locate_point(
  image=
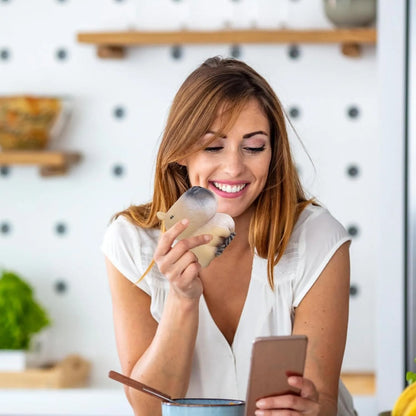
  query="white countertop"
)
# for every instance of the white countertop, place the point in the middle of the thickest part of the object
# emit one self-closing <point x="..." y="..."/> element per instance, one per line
<point x="95" y="402"/>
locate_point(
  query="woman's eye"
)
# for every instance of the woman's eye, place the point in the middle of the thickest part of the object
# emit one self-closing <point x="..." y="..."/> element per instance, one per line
<point x="255" y="149"/>
<point x="213" y="148"/>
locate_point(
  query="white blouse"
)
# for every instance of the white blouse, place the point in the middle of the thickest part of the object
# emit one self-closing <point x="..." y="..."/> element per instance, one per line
<point x="218" y="369"/>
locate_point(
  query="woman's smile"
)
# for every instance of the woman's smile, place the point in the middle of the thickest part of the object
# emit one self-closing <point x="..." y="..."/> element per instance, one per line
<point x="228" y="189"/>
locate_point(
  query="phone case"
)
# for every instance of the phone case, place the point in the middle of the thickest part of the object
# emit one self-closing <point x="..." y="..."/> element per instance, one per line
<point x="273" y="359"/>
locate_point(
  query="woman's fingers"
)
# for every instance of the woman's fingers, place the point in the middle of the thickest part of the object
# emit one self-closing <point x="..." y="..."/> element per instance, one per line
<point x="307" y="403"/>
<point x="177" y="262"/>
<point x="177" y="257"/>
<point x="306" y="386"/>
<point x="168" y="237"/>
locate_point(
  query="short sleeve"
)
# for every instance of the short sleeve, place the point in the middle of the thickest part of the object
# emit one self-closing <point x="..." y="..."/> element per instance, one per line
<point x="320" y="236"/>
<point x="122" y="246"/>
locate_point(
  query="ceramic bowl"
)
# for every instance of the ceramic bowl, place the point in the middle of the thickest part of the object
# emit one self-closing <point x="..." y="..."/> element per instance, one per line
<point x="203" y="407"/>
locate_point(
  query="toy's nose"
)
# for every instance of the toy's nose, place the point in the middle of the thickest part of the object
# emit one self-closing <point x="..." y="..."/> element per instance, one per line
<point x="199" y="192"/>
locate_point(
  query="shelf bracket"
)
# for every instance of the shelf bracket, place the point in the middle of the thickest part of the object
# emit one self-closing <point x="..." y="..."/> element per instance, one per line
<point x="351" y="49"/>
<point x="62" y="168"/>
<point x="111" y="52"/>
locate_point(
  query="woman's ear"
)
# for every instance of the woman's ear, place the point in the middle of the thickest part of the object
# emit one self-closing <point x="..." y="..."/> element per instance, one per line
<point x="182" y="162"/>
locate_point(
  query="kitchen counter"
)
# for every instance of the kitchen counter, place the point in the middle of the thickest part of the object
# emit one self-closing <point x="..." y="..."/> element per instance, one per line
<point x="95" y="402"/>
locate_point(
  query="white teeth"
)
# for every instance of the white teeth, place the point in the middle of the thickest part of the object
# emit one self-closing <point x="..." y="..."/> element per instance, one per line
<point x="231" y="189"/>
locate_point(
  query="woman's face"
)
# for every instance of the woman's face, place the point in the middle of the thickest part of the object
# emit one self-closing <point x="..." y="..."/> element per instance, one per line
<point x="235" y="166"/>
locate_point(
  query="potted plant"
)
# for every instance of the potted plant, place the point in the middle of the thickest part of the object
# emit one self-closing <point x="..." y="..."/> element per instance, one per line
<point x="21" y="317"/>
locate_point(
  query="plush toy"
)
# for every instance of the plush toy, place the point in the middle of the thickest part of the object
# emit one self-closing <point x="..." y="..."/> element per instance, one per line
<point x="199" y="206"/>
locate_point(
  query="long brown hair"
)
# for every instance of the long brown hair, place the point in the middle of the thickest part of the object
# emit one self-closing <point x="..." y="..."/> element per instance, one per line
<point x="217" y="84"/>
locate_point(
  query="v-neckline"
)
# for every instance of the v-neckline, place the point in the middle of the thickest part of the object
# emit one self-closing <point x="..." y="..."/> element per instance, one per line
<point x="242" y="315"/>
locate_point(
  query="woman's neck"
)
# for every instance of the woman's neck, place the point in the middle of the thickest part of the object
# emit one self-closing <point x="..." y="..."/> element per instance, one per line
<point x="242" y="229"/>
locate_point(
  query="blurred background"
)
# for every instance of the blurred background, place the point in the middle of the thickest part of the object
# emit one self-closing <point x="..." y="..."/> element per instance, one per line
<point x="343" y="107"/>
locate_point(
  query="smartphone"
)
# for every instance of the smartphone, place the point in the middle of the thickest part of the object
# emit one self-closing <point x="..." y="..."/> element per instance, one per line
<point x="273" y="359"/>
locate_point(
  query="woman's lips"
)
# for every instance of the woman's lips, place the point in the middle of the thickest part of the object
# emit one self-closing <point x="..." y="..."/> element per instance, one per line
<point x="228" y="190"/>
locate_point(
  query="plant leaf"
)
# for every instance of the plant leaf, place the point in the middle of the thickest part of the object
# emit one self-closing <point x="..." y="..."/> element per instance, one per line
<point x="410" y="377"/>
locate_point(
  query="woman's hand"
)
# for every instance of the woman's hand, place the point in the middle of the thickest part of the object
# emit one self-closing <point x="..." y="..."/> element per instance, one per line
<point x="307" y="403"/>
<point x="178" y="264"/>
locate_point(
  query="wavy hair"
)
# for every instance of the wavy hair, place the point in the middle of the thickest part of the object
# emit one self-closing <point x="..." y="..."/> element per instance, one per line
<point x="218" y="84"/>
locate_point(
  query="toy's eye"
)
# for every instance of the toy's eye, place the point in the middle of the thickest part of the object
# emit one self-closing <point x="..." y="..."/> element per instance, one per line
<point x="171" y="217"/>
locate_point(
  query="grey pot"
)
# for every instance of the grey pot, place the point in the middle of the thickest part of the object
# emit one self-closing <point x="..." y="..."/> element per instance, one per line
<point x="351" y="13"/>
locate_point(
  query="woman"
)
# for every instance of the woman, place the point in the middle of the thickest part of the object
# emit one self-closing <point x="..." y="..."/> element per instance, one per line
<point x="188" y="331"/>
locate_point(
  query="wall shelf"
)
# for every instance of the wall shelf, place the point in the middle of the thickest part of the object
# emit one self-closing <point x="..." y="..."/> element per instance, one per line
<point x="113" y="44"/>
<point x="51" y="163"/>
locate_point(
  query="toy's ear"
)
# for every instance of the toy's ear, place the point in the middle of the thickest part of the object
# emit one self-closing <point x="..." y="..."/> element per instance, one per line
<point x="161" y="215"/>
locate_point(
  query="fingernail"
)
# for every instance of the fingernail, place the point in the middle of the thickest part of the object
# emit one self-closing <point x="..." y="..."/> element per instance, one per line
<point x="260" y="403"/>
<point x="207" y="237"/>
<point x="293" y="380"/>
<point x="259" y="413"/>
<point x="185" y="221"/>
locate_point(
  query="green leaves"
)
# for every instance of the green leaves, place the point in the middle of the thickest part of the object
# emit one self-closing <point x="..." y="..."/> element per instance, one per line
<point x="411" y="376"/>
<point x="20" y="315"/>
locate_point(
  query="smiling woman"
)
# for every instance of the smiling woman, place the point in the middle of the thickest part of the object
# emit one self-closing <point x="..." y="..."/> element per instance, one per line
<point x="187" y="329"/>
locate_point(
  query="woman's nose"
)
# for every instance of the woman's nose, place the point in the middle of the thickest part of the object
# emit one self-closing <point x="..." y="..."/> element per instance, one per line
<point x="234" y="163"/>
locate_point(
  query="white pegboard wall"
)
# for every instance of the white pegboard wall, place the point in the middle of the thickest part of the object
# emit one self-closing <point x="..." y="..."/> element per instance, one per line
<point x="118" y="113"/>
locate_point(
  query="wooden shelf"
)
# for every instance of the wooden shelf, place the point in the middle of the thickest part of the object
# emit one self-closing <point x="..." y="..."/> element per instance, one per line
<point x="113" y="44"/>
<point x="51" y="163"/>
<point x="360" y="383"/>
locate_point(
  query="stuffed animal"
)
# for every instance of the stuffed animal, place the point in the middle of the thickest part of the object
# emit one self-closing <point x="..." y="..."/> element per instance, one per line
<point x="199" y="206"/>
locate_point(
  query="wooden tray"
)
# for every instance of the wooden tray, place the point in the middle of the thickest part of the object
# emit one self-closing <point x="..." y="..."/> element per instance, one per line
<point x="73" y="371"/>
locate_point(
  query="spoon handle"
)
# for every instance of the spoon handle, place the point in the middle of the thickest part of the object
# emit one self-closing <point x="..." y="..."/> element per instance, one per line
<point x="139" y="386"/>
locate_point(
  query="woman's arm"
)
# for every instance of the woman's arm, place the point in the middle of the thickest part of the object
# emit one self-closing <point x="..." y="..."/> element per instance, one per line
<point x="158" y="355"/>
<point x="323" y="317"/>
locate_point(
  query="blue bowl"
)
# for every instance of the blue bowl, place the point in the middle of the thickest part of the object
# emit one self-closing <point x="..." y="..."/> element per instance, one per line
<point x="203" y="407"/>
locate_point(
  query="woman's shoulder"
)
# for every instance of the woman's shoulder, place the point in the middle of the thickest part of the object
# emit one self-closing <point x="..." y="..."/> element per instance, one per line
<point x="316" y="220"/>
<point x="124" y="229"/>
<point x="130" y="248"/>
<point x="125" y="240"/>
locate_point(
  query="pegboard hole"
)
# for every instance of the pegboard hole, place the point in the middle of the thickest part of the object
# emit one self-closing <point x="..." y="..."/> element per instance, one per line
<point x="176" y="52"/>
<point x="118" y="170"/>
<point x="4" y="54"/>
<point x="294" y="112"/>
<point x="119" y="112"/>
<point x="60" y="287"/>
<point x="5" y="170"/>
<point x="5" y="228"/>
<point x="235" y="51"/>
<point x="294" y="52"/>
<point x="353" y="112"/>
<point x="61" y="228"/>
<point x="353" y="230"/>
<point x="354" y="291"/>
<point x="353" y="171"/>
<point x="61" y="54"/>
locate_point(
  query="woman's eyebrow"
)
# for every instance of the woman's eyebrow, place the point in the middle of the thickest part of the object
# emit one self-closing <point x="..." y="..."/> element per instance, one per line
<point x="246" y="136"/>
